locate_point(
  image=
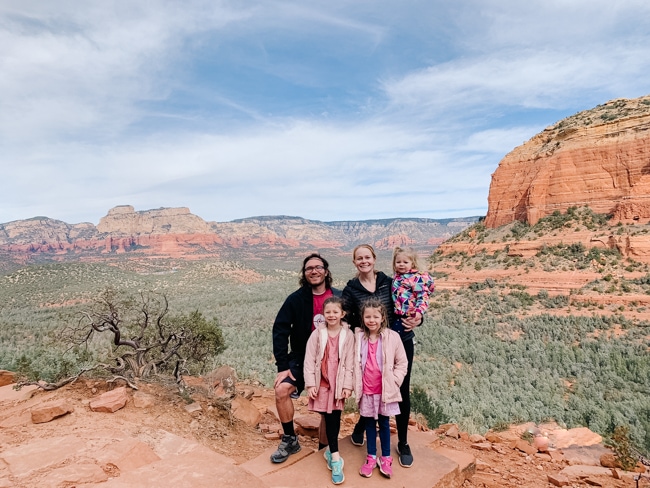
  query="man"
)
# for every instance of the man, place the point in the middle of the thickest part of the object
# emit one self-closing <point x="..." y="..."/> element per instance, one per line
<point x="301" y="313"/>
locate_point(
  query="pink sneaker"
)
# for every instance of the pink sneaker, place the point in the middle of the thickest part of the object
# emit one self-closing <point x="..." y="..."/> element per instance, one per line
<point x="366" y="469"/>
<point x="385" y="465"/>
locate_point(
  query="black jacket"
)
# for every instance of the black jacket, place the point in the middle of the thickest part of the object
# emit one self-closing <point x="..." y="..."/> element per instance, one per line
<point x="354" y="294"/>
<point x="292" y="327"/>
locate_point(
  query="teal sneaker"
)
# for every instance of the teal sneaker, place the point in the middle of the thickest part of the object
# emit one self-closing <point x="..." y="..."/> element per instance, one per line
<point x="328" y="457"/>
<point x="337" y="472"/>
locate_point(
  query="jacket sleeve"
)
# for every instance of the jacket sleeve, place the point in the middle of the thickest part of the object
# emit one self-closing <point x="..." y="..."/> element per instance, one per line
<point x="401" y="361"/>
<point x="281" y="333"/>
<point x="311" y="353"/>
<point x="422" y="287"/>
<point x="348" y="361"/>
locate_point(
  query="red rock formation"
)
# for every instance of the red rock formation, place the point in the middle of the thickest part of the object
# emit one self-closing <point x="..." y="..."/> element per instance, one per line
<point x="175" y="232"/>
<point x="599" y="158"/>
<point x="125" y="220"/>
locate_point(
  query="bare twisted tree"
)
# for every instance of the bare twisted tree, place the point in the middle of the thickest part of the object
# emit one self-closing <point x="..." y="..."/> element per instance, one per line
<point x="145" y="338"/>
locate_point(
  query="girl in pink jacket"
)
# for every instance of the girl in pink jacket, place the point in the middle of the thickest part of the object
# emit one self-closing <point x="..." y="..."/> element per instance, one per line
<point x="380" y="365"/>
<point x="328" y="371"/>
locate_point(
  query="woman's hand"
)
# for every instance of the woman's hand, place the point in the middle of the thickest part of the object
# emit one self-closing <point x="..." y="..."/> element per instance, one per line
<point x="313" y="392"/>
<point x="411" y="323"/>
<point x="346" y="393"/>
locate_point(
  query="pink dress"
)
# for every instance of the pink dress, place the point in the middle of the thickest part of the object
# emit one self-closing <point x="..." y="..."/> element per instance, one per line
<point x="325" y="401"/>
<point x="370" y="404"/>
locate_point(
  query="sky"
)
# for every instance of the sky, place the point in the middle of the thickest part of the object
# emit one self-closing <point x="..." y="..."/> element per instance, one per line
<point x="337" y="110"/>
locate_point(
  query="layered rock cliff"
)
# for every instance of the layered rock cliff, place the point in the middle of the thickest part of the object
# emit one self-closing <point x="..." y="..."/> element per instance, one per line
<point x="599" y="158"/>
<point x="175" y="232"/>
<point x="124" y="220"/>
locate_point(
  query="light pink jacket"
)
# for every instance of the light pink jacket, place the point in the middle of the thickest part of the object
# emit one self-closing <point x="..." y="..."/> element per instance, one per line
<point x="314" y="356"/>
<point x="393" y="369"/>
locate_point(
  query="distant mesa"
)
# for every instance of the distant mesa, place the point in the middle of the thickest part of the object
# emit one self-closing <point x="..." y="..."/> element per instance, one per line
<point x="124" y="220"/>
<point x="599" y="158"/>
<point x="176" y="232"/>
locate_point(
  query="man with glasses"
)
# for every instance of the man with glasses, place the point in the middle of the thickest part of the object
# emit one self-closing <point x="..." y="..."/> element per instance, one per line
<point x="300" y="314"/>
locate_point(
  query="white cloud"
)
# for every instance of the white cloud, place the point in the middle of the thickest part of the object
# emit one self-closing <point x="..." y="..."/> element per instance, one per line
<point x="317" y="171"/>
<point x="162" y="103"/>
<point x="526" y="79"/>
<point x="74" y="71"/>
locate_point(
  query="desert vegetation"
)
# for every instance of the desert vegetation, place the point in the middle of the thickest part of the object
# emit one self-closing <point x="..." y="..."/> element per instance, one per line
<point x="487" y="353"/>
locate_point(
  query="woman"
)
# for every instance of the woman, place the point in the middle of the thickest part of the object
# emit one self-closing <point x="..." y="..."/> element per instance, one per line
<point x="370" y="283"/>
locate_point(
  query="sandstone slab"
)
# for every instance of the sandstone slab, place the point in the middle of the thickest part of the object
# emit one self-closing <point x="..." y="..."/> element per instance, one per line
<point x="201" y="468"/>
<point x="51" y="410"/>
<point x="435" y="470"/>
<point x="524" y="446"/>
<point x="128" y="454"/>
<point x="24" y="460"/>
<point x="578" y="471"/>
<point x="558" y="480"/>
<point x="9" y="395"/>
<point x="587" y="455"/>
<point x="245" y="411"/>
<point x="75" y="474"/>
<point x="111" y="401"/>
<point x="308" y="425"/>
<point x="580" y="436"/>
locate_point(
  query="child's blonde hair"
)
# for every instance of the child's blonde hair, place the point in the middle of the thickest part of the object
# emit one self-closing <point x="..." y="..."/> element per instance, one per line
<point x="374" y="303"/>
<point x="409" y="252"/>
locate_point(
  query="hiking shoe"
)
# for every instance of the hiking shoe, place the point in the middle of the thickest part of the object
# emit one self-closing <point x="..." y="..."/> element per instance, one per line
<point x="366" y="469"/>
<point x="337" y="472"/>
<point x="289" y="445"/>
<point x="357" y="438"/>
<point x="385" y="465"/>
<point x="405" y="457"/>
<point x="328" y="457"/>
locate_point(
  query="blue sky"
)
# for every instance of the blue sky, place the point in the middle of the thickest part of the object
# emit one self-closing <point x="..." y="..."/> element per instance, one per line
<point x="325" y="110"/>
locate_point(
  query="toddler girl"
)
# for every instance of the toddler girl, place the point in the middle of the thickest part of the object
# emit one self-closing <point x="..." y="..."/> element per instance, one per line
<point x="380" y="365"/>
<point x="329" y="369"/>
<point x="411" y="289"/>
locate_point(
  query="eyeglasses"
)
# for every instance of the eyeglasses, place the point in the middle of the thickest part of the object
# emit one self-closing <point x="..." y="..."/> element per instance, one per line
<point x="309" y="269"/>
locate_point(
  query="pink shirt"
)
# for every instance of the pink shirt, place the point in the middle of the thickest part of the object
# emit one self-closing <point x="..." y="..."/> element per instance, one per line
<point x="372" y="373"/>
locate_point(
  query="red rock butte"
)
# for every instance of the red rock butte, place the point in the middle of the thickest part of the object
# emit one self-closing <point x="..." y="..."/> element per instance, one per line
<point x="599" y="158"/>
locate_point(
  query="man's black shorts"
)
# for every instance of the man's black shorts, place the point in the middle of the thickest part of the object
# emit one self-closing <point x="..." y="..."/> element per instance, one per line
<point x="296" y="370"/>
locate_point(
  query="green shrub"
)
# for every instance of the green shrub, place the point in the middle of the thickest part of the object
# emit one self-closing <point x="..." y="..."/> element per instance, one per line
<point x="422" y="403"/>
<point x="620" y="442"/>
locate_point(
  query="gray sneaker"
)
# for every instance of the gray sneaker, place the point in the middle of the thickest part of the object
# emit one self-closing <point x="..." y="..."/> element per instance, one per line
<point x="289" y="445"/>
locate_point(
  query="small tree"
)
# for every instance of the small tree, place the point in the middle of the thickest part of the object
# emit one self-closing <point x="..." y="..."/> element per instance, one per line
<point x="421" y="403"/>
<point x="620" y="442"/>
<point x="145" y="338"/>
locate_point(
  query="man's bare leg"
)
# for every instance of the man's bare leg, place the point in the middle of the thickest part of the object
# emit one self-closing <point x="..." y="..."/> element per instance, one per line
<point x="283" y="402"/>
<point x="289" y="444"/>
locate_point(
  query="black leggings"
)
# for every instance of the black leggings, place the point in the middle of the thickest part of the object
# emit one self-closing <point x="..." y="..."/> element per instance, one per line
<point x="332" y="429"/>
<point x="402" y="420"/>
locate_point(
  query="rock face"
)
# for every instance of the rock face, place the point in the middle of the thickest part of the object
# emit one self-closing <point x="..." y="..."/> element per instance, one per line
<point x="175" y="232"/>
<point x="599" y="158"/>
<point x="124" y="220"/>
